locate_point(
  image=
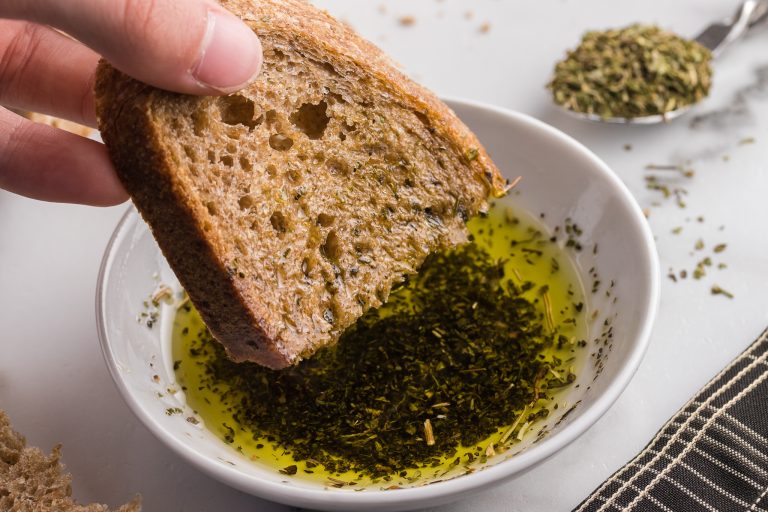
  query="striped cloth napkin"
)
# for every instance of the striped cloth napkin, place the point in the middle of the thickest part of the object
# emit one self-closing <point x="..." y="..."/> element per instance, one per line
<point x="711" y="456"/>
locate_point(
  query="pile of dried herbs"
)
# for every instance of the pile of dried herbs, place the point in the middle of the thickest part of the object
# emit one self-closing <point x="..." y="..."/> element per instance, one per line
<point x="455" y="356"/>
<point x="632" y="72"/>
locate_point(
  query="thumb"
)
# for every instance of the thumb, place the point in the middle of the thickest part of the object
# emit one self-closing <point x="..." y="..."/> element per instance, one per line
<point x="189" y="46"/>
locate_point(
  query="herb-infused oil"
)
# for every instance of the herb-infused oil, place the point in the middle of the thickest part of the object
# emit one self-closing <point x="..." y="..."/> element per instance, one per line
<point x="466" y="360"/>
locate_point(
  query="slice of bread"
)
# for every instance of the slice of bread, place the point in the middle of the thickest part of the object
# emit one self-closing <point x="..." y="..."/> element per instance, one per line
<point x="32" y="482"/>
<point x="290" y="208"/>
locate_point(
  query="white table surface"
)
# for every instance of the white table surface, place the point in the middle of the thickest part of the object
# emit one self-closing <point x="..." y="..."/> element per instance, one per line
<point x="55" y="385"/>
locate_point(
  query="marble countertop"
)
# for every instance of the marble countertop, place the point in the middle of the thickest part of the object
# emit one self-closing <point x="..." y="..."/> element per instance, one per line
<point x="55" y="385"/>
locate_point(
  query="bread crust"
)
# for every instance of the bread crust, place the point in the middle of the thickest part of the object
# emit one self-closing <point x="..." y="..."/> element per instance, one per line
<point x="138" y="149"/>
<point x="304" y="25"/>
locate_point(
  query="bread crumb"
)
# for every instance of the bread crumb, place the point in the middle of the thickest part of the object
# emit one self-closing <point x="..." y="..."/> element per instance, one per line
<point x="382" y="9"/>
<point x="469" y="15"/>
<point x="485" y="28"/>
<point x="407" y="21"/>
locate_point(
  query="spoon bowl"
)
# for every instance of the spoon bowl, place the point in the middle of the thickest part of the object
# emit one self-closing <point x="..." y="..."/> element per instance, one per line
<point x="715" y="38"/>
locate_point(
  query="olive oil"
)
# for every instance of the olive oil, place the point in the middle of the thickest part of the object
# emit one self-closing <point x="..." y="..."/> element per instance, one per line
<point x="517" y="252"/>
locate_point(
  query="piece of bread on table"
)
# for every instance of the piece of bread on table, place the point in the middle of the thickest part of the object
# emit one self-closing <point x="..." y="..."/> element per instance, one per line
<point x="290" y="208"/>
<point x="33" y="482"/>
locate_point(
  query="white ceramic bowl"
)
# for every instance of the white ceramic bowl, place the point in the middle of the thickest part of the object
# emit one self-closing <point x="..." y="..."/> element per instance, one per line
<point x="561" y="178"/>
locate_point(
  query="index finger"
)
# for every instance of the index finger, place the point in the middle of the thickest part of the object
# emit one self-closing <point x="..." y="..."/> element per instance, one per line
<point x="189" y="46"/>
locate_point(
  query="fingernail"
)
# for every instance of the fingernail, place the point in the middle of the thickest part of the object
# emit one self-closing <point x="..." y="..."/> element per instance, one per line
<point x="230" y="55"/>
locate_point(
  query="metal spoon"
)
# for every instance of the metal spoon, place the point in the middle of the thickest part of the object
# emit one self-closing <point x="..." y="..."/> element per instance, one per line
<point x="715" y="37"/>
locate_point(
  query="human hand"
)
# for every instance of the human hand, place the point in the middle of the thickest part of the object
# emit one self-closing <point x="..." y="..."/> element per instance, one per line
<point x="189" y="46"/>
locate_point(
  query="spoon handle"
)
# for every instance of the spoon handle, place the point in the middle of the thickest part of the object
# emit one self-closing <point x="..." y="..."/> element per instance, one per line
<point x="719" y="35"/>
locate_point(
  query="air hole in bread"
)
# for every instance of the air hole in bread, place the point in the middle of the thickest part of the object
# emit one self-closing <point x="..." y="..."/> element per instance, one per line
<point x="294" y="176"/>
<point x="245" y="202"/>
<point x="212" y="208"/>
<point x="227" y="160"/>
<point x="241" y="246"/>
<point x="342" y="136"/>
<point x="272" y="170"/>
<point x="311" y="119"/>
<point x="336" y="166"/>
<point x="421" y="116"/>
<point x="233" y="133"/>
<point x="280" y="142"/>
<point x="191" y="154"/>
<point x="331" y="70"/>
<point x="362" y="247"/>
<point x="245" y="164"/>
<point x="200" y="122"/>
<point x="331" y="249"/>
<point x="271" y="117"/>
<point x="279" y="222"/>
<point x="237" y="109"/>
<point x="211" y="156"/>
<point x="328" y="316"/>
<point x="306" y="267"/>
<point x="325" y="220"/>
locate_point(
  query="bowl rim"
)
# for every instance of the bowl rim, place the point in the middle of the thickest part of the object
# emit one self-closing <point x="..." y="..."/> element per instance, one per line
<point x="445" y="490"/>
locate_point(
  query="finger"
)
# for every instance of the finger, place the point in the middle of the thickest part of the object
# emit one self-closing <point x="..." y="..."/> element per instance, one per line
<point x="41" y="162"/>
<point x="44" y="71"/>
<point x="191" y="46"/>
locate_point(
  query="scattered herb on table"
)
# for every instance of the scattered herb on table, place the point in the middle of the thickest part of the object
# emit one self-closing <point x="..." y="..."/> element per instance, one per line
<point x="668" y="189"/>
<point x="716" y="290"/>
<point x="637" y="71"/>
